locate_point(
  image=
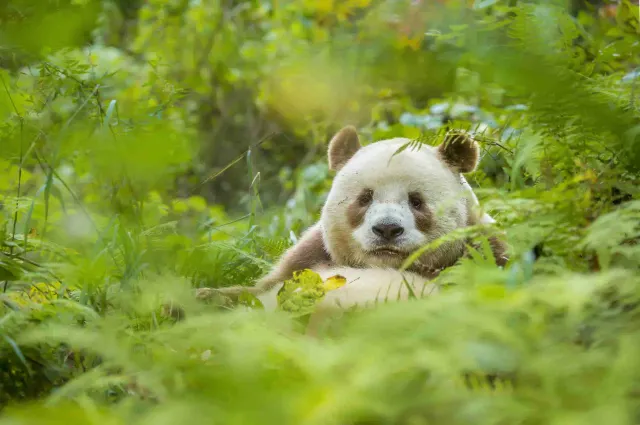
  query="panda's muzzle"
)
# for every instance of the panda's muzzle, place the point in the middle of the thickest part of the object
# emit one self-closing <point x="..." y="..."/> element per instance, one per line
<point x="387" y="235"/>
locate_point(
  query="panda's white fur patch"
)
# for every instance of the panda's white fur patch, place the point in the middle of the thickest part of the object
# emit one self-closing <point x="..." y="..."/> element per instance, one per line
<point x="364" y="288"/>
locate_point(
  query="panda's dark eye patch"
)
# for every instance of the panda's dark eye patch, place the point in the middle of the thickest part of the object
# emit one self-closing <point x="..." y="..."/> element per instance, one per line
<point x="359" y="207"/>
<point x="415" y="200"/>
<point x="365" y="197"/>
<point x="421" y="212"/>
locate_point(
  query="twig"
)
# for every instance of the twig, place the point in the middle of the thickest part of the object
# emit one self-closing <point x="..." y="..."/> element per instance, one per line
<point x="238" y="158"/>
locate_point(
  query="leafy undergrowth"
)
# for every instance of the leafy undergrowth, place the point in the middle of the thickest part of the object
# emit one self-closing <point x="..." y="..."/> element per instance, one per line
<point x="563" y="347"/>
<point x="151" y="148"/>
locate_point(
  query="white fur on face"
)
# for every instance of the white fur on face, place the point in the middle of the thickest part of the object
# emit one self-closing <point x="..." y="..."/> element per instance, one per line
<point x="390" y="206"/>
<point x="392" y="178"/>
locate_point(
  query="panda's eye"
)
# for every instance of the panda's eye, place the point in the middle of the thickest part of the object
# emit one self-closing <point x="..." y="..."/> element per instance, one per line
<point x="365" y="197"/>
<point x="415" y="200"/>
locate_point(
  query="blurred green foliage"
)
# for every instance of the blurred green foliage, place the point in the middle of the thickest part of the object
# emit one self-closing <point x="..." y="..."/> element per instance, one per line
<point x="149" y="148"/>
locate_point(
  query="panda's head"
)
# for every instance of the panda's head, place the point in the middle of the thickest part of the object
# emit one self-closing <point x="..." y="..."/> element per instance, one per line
<point x="385" y="204"/>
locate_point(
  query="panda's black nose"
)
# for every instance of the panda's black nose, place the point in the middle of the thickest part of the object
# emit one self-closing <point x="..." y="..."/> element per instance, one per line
<point x="388" y="231"/>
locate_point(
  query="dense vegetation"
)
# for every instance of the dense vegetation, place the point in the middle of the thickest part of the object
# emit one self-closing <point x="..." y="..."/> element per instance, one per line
<point x="150" y="148"/>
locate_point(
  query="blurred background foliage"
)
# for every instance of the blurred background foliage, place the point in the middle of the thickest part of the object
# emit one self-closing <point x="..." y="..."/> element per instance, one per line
<point x="150" y="147"/>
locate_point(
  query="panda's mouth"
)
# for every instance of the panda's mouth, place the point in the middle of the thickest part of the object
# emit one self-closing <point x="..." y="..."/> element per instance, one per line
<point x="387" y="251"/>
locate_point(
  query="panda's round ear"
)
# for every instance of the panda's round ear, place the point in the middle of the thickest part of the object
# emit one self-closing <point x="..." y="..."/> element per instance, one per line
<point x="460" y="151"/>
<point x="344" y="144"/>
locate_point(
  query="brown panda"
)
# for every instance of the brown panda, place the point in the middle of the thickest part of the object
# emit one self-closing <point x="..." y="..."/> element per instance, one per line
<point x="383" y="205"/>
